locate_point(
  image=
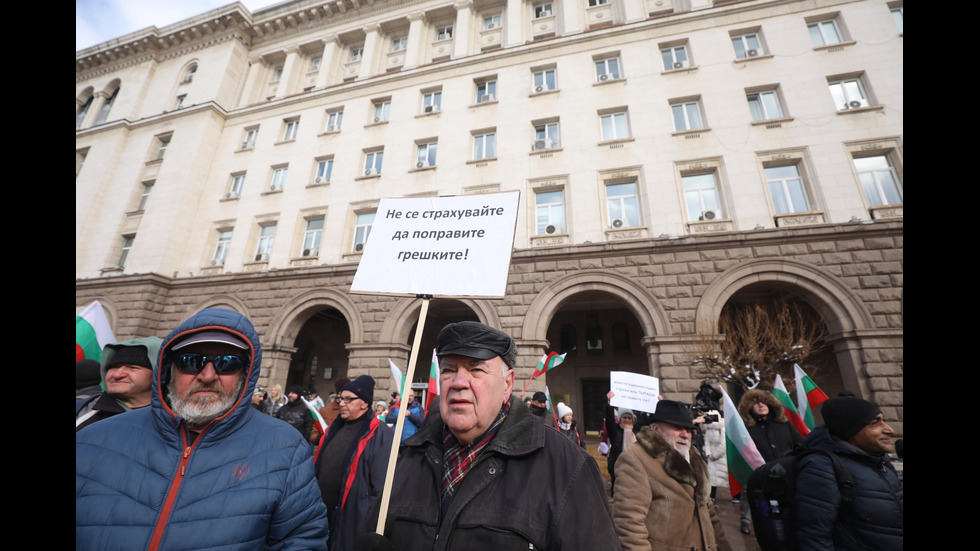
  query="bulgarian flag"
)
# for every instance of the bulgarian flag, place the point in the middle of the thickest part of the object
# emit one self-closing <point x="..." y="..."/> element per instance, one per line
<point x="552" y="410"/>
<point x="743" y="456"/>
<point x="808" y="395"/>
<point x="319" y="423"/>
<point x="397" y="376"/>
<point x="548" y="362"/>
<point x="779" y="391"/>
<point x="92" y="333"/>
<point x="433" y="389"/>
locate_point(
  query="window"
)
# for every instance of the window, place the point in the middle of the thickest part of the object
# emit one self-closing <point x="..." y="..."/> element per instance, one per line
<point x="444" y="33"/>
<point x="277" y="74"/>
<point x="543" y="10"/>
<point x="334" y="118"/>
<point x="825" y="32"/>
<point x="179" y="104"/>
<point x="315" y="64"/>
<point x="372" y="162"/>
<point x="189" y="77"/>
<point x="544" y="80"/>
<point x="687" y="115"/>
<point x="278" y="178"/>
<point x="106" y="107"/>
<point x="144" y="196"/>
<point x="550" y="211"/>
<point x="382" y="110"/>
<point x="80" y="155"/>
<point x="251" y="135"/>
<point x="622" y="205"/>
<point x="607" y="68"/>
<point x="163" y="142"/>
<point x="764" y="105"/>
<point x="362" y="230"/>
<point x="849" y="93"/>
<point x="267" y="237"/>
<point x="426" y="155"/>
<point x="80" y="117"/>
<point x="546" y="136"/>
<point x="237" y="184"/>
<point x="614" y="126"/>
<point x="675" y="57"/>
<point x="484" y="146"/>
<point x="747" y="45"/>
<point x="356" y="53"/>
<point x="787" y="189"/>
<point x="701" y="196"/>
<point x="491" y="22"/>
<point x="290" y="128"/>
<point x="899" y="16"/>
<point x="127" y="246"/>
<point x="221" y="248"/>
<point x="399" y="44"/>
<point x="486" y="91"/>
<point x="431" y="101"/>
<point x="324" y="169"/>
<point x="879" y="180"/>
<point x="593" y="3"/>
<point x="311" y="238"/>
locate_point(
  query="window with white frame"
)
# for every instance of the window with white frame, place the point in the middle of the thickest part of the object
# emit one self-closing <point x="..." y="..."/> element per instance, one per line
<point x="315" y="64"/>
<point x="289" y="129"/>
<point x="623" y="205"/>
<point x="431" y="101"/>
<point x="787" y="189"/>
<point x="356" y="53"/>
<point x="80" y="117"/>
<point x="747" y="45"/>
<point x="543" y="10"/>
<point x="399" y="44"/>
<point x="765" y="105"/>
<point x="179" y="102"/>
<point x="687" y="115"/>
<point x="879" y="180"/>
<point x="444" y="33"/>
<point x="382" y="110"/>
<point x="251" y="134"/>
<point x="127" y="246"/>
<point x="372" y="162"/>
<point x="334" y="119"/>
<point x="848" y="93"/>
<point x="898" y="15"/>
<point x="425" y="155"/>
<point x="237" y="184"/>
<point x="189" y="76"/>
<point x="701" y="196"/>
<point x="486" y="91"/>
<point x="163" y="142"/>
<point x="311" y="237"/>
<point x="106" y="107"/>
<point x="277" y="74"/>
<point x="546" y="135"/>
<point x="278" y="178"/>
<point x="80" y="155"/>
<point x="675" y="57"/>
<point x="484" y="145"/>
<point x="549" y="209"/>
<point x="491" y="21"/>
<point x="544" y="80"/>
<point x="613" y="126"/>
<point x="145" y="195"/>
<point x="267" y="237"/>
<point x="825" y="32"/>
<point x="324" y="169"/>
<point x="362" y="230"/>
<point x="607" y="68"/>
<point x="594" y="3"/>
<point x="221" y="248"/>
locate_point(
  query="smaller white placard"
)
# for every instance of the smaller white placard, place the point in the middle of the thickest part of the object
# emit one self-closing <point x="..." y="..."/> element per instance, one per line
<point x="634" y="391"/>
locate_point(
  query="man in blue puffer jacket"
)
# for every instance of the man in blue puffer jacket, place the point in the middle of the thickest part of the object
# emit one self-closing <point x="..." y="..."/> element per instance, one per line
<point x="199" y="468"/>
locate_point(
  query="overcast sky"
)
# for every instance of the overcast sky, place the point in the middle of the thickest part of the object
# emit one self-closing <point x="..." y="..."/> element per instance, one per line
<point x="97" y="21"/>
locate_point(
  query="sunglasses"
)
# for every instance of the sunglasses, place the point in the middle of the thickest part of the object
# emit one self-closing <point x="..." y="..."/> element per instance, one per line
<point x="223" y="363"/>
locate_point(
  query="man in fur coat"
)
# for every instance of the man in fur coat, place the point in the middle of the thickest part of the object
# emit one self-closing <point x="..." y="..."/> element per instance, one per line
<point x="662" y="500"/>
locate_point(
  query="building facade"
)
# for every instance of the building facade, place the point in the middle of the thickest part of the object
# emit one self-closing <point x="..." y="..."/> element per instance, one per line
<point x="673" y="156"/>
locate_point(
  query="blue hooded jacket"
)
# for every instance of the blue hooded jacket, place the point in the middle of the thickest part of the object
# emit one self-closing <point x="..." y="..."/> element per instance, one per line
<point x="246" y="482"/>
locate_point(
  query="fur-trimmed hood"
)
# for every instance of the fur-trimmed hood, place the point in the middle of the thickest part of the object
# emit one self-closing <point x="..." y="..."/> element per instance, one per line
<point x="776" y="411"/>
<point x="693" y="473"/>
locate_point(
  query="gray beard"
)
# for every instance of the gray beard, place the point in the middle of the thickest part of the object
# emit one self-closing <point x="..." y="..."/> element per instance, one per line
<point x="197" y="414"/>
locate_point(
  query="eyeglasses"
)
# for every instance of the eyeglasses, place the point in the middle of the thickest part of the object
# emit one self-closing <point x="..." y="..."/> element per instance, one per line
<point x="223" y="363"/>
<point x="346" y="399"/>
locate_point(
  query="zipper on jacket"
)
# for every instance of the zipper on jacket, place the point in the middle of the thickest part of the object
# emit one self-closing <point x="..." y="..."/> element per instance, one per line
<point x="172" y="492"/>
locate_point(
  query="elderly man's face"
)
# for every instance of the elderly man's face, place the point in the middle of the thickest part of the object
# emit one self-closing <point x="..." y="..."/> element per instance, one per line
<point x="677" y="436"/>
<point x="129" y="383"/>
<point x="875" y="437"/>
<point x="204" y="396"/>
<point x="473" y="391"/>
<point x="352" y="407"/>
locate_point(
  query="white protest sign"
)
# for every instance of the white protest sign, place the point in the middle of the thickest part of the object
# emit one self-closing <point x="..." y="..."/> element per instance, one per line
<point x="634" y="391"/>
<point x="446" y="246"/>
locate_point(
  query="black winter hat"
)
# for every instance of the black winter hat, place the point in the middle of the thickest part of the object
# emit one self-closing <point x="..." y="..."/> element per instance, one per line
<point x="845" y="417"/>
<point x="476" y="340"/>
<point x="130" y="355"/>
<point x="362" y="387"/>
<point x="669" y="411"/>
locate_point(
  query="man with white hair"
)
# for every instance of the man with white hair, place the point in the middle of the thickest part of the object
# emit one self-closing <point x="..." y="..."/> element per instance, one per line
<point x="662" y="500"/>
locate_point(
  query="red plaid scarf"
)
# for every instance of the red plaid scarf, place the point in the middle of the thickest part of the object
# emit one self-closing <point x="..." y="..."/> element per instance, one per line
<point x="459" y="459"/>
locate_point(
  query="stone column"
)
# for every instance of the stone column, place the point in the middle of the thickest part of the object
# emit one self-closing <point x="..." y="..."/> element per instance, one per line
<point x="461" y="29"/>
<point x="290" y="69"/>
<point x="98" y="102"/>
<point x="514" y="26"/>
<point x="328" y="62"/>
<point x="368" y="57"/>
<point x="254" y="81"/>
<point x="416" y="39"/>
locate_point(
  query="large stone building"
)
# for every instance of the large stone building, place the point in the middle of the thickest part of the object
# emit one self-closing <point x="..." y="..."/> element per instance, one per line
<point x="673" y="156"/>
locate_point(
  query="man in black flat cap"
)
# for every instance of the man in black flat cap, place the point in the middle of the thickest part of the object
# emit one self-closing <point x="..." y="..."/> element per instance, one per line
<point x="663" y="494"/>
<point x="487" y="475"/>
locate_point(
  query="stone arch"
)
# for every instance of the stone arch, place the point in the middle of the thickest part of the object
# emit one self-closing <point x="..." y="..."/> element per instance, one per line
<point x="219" y="301"/>
<point x="405" y="313"/>
<point x="285" y="326"/>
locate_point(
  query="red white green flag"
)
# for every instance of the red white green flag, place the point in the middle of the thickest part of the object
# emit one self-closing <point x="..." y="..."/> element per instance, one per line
<point x="397" y="376"/>
<point x="318" y="422"/>
<point x="551" y="409"/>
<point x="743" y="456"/>
<point x="808" y="395"/>
<point x="92" y="332"/>
<point x="433" y="389"/>
<point x="779" y="391"/>
<point x="548" y="362"/>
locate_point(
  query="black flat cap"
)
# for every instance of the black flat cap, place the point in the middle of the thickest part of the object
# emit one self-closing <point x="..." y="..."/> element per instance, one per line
<point x="475" y="340"/>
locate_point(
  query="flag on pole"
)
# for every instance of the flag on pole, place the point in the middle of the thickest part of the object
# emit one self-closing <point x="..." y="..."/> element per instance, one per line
<point x="808" y="395"/>
<point x="548" y="362"/>
<point x="92" y="332"/>
<point x="743" y="456"/>
<point x="779" y="391"/>
<point x="553" y="413"/>
<point x="433" y="389"/>
<point x="397" y="375"/>
<point x="318" y="422"/>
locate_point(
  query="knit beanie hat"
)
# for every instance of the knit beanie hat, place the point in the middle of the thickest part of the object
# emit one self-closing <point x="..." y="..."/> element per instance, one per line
<point x="362" y="387"/>
<point x="130" y="355"/>
<point x="563" y="410"/>
<point x="294" y="388"/>
<point x="845" y="417"/>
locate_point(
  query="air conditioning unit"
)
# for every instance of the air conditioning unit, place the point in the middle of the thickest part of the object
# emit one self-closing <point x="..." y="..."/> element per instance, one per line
<point x="331" y="128"/>
<point x="420" y="164"/>
<point x="708" y="215"/>
<point x="752" y="52"/>
<point x="545" y="13"/>
<point x="368" y="172"/>
<point x="486" y="98"/>
<point x="539" y="88"/>
<point x="359" y="247"/>
<point x="218" y="262"/>
<point x="491" y="26"/>
<point x="377" y="119"/>
<point x="429" y="109"/>
<point x="680" y="64"/>
<point x="618" y="223"/>
<point x="246" y="145"/>
<point x="228" y="195"/>
<point x="603" y="77"/>
<point x="274" y="187"/>
<point x="311" y="252"/>
<point x="540" y="144"/>
<point x="855" y="104"/>
<point x="552" y="228"/>
<point x="319" y="180"/>
<point x="261" y="257"/>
